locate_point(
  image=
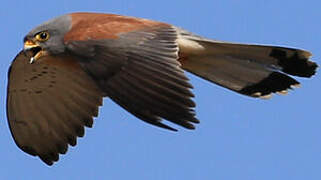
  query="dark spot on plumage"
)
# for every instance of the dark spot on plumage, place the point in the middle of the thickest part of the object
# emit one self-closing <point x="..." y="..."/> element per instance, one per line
<point x="23" y="90"/>
<point x="33" y="78"/>
<point x="294" y="65"/>
<point x="38" y="92"/>
<point x="275" y="82"/>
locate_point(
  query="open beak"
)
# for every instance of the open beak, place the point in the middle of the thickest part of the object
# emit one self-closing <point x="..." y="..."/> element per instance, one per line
<point x="34" y="48"/>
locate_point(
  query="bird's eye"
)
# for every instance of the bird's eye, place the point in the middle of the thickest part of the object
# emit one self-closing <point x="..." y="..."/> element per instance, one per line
<point x="42" y="36"/>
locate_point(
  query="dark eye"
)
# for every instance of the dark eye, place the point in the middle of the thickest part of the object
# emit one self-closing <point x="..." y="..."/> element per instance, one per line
<point x="42" y="36"/>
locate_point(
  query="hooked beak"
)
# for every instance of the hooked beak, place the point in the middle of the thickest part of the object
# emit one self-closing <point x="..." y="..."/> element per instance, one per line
<point x="34" y="48"/>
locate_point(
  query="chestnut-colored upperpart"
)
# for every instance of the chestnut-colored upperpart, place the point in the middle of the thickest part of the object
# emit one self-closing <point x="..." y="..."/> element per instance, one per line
<point x="95" y="26"/>
<point x="137" y="63"/>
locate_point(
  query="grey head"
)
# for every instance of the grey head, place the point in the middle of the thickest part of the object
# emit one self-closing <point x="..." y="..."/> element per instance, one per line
<point x="48" y="38"/>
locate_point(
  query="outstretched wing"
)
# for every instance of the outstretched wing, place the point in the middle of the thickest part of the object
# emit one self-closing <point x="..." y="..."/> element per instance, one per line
<point x="48" y="104"/>
<point x="139" y="71"/>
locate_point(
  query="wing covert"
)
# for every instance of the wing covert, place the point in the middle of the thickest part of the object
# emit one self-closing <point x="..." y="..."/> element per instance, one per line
<point x="140" y="72"/>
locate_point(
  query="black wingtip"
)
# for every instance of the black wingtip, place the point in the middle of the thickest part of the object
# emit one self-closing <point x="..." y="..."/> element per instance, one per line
<point x="294" y="62"/>
<point x="275" y="82"/>
<point x="159" y="124"/>
<point x="46" y="160"/>
<point x="49" y="158"/>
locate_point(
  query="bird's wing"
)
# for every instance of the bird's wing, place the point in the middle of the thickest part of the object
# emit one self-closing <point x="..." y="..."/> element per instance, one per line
<point x="48" y="104"/>
<point x="139" y="71"/>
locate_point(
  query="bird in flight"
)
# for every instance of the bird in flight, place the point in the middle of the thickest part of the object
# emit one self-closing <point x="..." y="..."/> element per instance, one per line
<point x="70" y="63"/>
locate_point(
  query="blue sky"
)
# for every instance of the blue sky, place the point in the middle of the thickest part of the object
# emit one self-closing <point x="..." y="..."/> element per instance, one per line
<point x="238" y="137"/>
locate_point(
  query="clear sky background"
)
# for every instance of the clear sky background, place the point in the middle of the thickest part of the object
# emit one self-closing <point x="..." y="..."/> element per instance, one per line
<point x="239" y="138"/>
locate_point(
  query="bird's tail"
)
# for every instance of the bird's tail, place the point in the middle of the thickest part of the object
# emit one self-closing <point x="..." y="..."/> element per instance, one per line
<point x="252" y="70"/>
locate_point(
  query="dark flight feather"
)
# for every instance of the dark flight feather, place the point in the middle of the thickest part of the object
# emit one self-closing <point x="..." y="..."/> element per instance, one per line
<point x="140" y="72"/>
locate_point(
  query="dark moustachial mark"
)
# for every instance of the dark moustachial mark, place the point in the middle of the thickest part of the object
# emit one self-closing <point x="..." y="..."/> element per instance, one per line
<point x="294" y="65"/>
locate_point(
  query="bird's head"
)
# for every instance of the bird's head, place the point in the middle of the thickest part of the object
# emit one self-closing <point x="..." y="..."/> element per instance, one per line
<point x="47" y="38"/>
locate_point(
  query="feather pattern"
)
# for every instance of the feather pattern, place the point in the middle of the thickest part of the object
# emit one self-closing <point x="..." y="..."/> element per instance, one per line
<point x="253" y="70"/>
<point x="42" y="100"/>
<point x="140" y="72"/>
